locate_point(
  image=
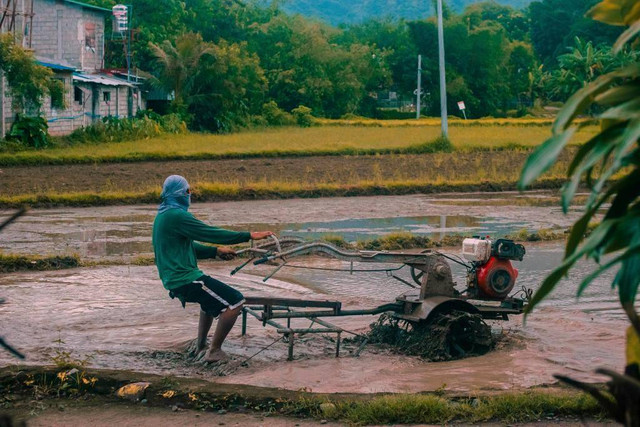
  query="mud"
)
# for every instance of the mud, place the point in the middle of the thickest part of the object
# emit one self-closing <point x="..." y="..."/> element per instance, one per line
<point x="121" y="318"/>
<point x="107" y="413"/>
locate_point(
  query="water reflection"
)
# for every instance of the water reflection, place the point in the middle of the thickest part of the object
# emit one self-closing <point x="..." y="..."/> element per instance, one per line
<point x="116" y="232"/>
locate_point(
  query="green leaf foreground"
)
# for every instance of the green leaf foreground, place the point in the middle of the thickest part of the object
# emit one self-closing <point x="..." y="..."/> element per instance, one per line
<point x="610" y="160"/>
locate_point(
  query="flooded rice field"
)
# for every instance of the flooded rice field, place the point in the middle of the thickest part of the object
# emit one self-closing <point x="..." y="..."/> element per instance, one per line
<point x="120" y="317"/>
<point x="124" y="231"/>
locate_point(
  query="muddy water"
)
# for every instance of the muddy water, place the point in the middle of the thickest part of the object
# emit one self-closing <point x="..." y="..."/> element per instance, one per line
<point x="124" y="231"/>
<point x="121" y="317"/>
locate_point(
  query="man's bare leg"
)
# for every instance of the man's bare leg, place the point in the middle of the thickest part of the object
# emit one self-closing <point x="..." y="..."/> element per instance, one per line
<point x="204" y="325"/>
<point x="225" y="322"/>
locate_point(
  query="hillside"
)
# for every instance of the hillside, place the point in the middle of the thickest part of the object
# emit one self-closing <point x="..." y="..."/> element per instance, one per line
<point x="354" y="11"/>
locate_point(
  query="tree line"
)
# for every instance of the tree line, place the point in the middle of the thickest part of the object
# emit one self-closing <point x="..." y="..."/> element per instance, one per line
<point x="228" y="62"/>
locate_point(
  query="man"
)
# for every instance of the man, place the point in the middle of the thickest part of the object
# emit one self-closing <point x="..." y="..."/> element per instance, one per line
<point x="175" y="232"/>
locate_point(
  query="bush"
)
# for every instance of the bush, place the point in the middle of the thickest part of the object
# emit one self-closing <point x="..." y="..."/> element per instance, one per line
<point x="276" y="116"/>
<point x="147" y="124"/>
<point x="30" y="131"/>
<point x="303" y="116"/>
<point x="394" y="114"/>
<point x="438" y="145"/>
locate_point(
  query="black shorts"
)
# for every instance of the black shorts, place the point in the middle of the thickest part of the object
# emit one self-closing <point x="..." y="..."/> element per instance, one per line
<point x="213" y="296"/>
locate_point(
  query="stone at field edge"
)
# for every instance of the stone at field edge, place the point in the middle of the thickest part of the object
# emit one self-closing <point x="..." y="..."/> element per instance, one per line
<point x="133" y="391"/>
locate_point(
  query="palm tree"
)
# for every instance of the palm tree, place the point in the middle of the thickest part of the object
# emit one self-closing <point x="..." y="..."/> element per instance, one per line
<point x="178" y="64"/>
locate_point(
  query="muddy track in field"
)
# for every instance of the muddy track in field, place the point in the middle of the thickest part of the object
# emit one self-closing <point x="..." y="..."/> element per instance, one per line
<point x="436" y="168"/>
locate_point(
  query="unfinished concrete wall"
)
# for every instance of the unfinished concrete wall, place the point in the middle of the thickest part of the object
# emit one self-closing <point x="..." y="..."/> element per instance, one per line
<point x="68" y="33"/>
<point x="64" y="121"/>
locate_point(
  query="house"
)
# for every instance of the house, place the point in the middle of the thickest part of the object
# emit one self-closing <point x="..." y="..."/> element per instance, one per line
<point x="68" y="37"/>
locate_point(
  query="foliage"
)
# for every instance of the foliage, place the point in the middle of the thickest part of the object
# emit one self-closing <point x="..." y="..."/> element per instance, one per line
<point x="230" y="86"/>
<point x="240" y="56"/>
<point x="438" y="145"/>
<point x="216" y="85"/>
<point x="478" y="51"/>
<point x="57" y="94"/>
<point x="583" y="65"/>
<point x="113" y="129"/>
<point x="303" y="116"/>
<point x="276" y="116"/>
<point x="177" y="64"/>
<point x="28" y="82"/>
<point x="12" y="263"/>
<point x="556" y="23"/>
<point x="304" y="67"/>
<point x="338" y="12"/>
<point x="30" y="131"/>
<point x="609" y="163"/>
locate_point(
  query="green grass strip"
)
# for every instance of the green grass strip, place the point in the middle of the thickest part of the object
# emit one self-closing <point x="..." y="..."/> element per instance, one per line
<point x="213" y="192"/>
<point x="506" y="407"/>
<point x="13" y="263"/>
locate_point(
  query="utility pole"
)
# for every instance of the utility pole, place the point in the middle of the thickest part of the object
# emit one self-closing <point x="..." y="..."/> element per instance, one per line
<point x="443" y="84"/>
<point x="129" y="23"/>
<point x="419" y="90"/>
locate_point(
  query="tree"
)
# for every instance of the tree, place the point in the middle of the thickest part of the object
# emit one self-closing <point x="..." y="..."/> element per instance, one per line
<point x="609" y="163"/>
<point x="305" y="67"/>
<point x="556" y="23"/>
<point x="178" y="63"/>
<point x="476" y="59"/>
<point x="395" y="40"/>
<point x="229" y="85"/>
<point x="28" y="82"/>
<point x="583" y="65"/>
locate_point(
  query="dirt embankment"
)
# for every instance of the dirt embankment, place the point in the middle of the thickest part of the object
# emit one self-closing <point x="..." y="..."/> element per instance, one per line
<point x="47" y="396"/>
<point x="437" y="169"/>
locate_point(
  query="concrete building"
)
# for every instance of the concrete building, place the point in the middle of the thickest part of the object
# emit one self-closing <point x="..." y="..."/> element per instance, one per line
<point x="68" y="37"/>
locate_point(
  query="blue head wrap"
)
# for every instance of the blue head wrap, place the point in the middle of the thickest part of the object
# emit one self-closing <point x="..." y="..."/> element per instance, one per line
<point x="174" y="194"/>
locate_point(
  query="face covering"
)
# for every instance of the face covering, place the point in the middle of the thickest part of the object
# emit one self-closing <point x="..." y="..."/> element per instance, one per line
<point x="174" y="194"/>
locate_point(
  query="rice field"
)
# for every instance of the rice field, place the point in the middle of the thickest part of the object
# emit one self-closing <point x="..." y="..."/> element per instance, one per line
<point x="327" y="140"/>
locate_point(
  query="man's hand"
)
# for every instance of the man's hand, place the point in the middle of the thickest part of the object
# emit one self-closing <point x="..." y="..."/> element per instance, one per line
<point x="259" y="235"/>
<point x="226" y="253"/>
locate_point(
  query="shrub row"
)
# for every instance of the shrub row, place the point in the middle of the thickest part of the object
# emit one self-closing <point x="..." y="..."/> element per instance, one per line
<point x="32" y="132"/>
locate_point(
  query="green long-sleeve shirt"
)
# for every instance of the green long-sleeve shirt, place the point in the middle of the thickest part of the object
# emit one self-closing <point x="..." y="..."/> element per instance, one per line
<point x="176" y="252"/>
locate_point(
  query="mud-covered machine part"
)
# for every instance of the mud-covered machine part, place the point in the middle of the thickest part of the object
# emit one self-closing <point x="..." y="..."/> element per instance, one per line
<point x="490" y="279"/>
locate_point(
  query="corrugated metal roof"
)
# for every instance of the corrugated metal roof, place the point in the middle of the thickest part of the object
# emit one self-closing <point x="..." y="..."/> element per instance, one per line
<point x="54" y="66"/>
<point x="100" y="79"/>
<point x="88" y="6"/>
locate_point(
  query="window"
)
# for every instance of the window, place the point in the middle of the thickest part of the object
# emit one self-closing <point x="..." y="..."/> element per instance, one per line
<point x="106" y="96"/>
<point x="78" y="95"/>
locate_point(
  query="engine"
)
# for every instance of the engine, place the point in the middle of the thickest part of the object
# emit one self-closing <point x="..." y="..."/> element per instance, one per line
<point x="491" y="276"/>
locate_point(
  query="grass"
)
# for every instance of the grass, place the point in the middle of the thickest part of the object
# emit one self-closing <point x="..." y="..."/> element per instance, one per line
<point x="507" y="407"/>
<point x="209" y="192"/>
<point x="394" y="242"/>
<point x="12" y="263"/>
<point x="435" y="121"/>
<point x="330" y="140"/>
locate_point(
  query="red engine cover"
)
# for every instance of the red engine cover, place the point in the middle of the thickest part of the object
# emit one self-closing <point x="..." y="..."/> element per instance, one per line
<point x="496" y="278"/>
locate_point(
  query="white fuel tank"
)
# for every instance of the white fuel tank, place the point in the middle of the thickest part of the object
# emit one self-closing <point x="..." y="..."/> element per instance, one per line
<point x="474" y="249"/>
